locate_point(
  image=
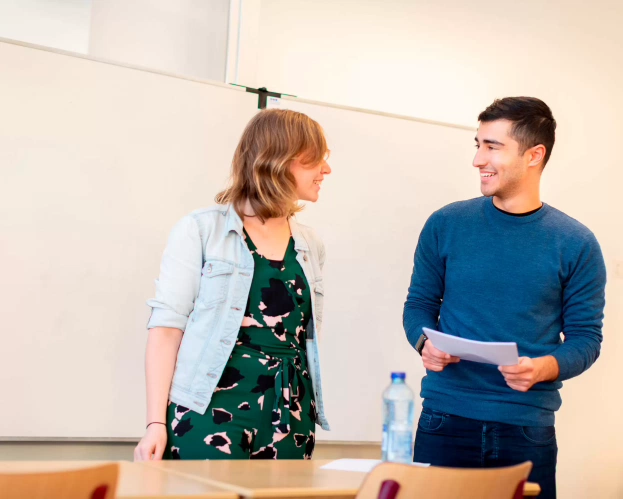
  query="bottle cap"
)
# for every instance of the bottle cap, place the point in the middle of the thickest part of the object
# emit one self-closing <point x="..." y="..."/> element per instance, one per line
<point x="398" y="376"/>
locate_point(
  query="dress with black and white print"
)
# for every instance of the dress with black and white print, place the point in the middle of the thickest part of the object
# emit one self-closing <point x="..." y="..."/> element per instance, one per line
<point x="263" y="406"/>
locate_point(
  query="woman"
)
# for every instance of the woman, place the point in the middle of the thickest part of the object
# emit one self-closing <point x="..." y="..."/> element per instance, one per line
<point x="234" y="327"/>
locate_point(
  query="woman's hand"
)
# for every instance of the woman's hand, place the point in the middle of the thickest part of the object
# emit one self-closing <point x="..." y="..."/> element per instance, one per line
<point x="152" y="445"/>
<point x="163" y="344"/>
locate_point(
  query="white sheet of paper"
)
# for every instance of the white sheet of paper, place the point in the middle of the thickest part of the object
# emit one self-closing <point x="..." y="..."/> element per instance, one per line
<point x="359" y="465"/>
<point x="487" y="352"/>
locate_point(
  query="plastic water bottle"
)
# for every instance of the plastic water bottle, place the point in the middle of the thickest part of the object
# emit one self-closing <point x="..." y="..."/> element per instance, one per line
<point x="398" y="416"/>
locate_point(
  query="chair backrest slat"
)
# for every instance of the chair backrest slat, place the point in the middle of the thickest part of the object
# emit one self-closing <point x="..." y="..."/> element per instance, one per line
<point x="98" y="482"/>
<point x="446" y="483"/>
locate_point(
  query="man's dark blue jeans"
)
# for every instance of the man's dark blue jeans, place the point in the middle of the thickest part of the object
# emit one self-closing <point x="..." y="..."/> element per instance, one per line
<point x="446" y="440"/>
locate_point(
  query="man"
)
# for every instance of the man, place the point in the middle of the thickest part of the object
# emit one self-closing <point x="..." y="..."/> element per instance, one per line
<point x="504" y="267"/>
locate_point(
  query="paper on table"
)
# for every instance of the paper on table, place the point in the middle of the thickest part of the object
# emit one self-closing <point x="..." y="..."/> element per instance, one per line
<point x="360" y="465"/>
<point x="487" y="352"/>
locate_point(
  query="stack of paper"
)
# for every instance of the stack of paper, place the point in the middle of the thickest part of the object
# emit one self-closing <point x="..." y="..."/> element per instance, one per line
<point x="488" y="352"/>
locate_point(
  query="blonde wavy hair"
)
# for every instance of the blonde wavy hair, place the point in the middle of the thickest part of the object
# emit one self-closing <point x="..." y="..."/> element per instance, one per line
<point x="260" y="168"/>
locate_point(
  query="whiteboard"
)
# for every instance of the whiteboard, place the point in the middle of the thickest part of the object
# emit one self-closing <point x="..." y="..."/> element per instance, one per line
<point x="99" y="161"/>
<point x="97" y="164"/>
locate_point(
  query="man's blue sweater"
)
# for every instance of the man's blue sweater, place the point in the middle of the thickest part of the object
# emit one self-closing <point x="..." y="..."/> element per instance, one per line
<point x="485" y="275"/>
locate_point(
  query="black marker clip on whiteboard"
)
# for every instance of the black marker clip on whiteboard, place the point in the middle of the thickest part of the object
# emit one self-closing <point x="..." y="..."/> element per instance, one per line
<point x="262" y="94"/>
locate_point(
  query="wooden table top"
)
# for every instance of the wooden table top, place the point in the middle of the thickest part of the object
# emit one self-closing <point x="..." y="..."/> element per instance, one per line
<point x="267" y="478"/>
<point x="221" y="479"/>
<point x="273" y="479"/>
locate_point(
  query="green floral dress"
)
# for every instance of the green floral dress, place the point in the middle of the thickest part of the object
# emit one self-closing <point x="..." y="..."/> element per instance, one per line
<point x="263" y="406"/>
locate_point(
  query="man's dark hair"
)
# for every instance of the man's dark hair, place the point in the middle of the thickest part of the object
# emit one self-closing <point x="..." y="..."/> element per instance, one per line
<point x="533" y="122"/>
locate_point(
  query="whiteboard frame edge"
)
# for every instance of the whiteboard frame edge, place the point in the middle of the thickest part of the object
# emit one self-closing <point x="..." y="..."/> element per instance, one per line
<point x="134" y="67"/>
<point x="69" y="440"/>
<point x="379" y="113"/>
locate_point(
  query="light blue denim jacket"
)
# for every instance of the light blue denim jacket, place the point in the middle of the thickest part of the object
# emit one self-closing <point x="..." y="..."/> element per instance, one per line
<point x="204" y="284"/>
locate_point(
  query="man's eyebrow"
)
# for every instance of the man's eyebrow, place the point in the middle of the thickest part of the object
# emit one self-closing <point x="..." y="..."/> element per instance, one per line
<point x="490" y="142"/>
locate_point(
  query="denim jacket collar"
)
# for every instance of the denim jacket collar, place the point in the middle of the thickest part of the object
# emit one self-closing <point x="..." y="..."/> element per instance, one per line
<point x="234" y="222"/>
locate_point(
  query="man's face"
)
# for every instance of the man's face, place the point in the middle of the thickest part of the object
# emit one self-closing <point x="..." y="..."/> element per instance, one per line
<point x="503" y="171"/>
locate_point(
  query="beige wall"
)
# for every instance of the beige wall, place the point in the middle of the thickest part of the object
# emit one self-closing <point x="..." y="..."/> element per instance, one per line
<point x="185" y="37"/>
<point x="447" y="60"/>
<point x="442" y="60"/>
<point x="59" y="24"/>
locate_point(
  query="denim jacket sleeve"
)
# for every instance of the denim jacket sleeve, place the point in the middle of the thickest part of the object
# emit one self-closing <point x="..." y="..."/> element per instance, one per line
<point x="180" y="276"/>
<point x="321" y="254"/>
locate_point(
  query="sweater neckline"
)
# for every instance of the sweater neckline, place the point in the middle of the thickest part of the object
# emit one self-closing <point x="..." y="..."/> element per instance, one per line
<point x="510" y="219"/>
